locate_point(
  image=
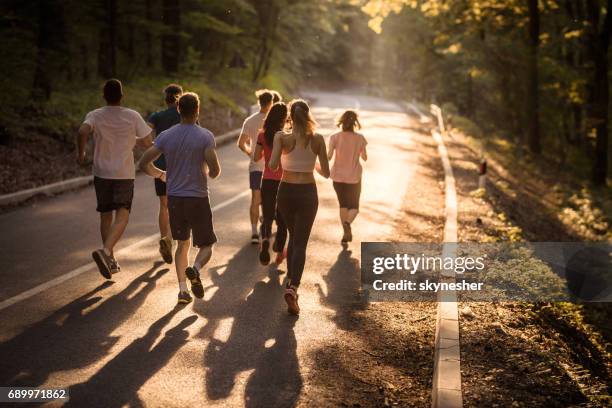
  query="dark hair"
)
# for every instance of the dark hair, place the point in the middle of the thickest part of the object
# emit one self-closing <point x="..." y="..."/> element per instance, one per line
<point x="172" y="93"/>
<point x="276" y="97"/>
<point x="113" y="91"/>
<point x="189" y="104"/>
<point x="275" y="121"/>
<point x="302" y="121"/>
<point x="264" y="97"/>
<point x="349" y="121"/>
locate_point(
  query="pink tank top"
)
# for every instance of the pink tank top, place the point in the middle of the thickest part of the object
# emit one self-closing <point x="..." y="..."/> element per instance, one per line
<point x="301" y="159"/>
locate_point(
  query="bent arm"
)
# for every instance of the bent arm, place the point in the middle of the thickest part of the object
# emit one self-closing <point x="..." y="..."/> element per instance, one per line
<point x="83" y="135"/>
<point x="212" y="161"/>
<point x="146" y="163"/>
<point x="277" y="149"/>
<point x="244" y="143"/>
<point x="323" y="169"/>
<point x="332" y="149"/>
<point x="145" y="142"/>
<point x="364" y="154"/>
<point x="258" y="153"/>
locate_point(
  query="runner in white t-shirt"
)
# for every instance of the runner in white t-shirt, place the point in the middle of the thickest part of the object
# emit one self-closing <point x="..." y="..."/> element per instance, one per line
<point x="116" y="130"/>
<point x="247" y="143"/>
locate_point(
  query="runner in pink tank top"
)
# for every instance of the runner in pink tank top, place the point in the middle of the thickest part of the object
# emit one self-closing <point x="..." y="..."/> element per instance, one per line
<point x="349" y="148"/>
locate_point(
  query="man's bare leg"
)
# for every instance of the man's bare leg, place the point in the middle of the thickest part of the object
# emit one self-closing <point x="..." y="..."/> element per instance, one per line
<point x="165" y="242"/>
<point x="106" y="221"/>
<point x="254" y="210"/>
<point x="164" y="217"/>
<point x="203" y="256"/>
<point x="181" y="259"/>
<point x="122" y="216"/>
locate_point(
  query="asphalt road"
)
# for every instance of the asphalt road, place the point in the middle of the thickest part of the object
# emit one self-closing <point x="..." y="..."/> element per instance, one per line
<point x="125" y="343"/>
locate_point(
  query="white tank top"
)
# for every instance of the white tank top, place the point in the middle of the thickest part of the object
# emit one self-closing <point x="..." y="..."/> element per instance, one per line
<point x="301" y="159"/>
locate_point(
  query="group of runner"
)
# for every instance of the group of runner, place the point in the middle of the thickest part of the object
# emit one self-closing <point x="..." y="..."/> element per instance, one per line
<point x="283" y="149"/>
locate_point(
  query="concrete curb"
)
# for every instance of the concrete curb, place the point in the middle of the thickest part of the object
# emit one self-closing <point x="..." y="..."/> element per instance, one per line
<point x="446" y="390"/>
<point x="78" y="182"/>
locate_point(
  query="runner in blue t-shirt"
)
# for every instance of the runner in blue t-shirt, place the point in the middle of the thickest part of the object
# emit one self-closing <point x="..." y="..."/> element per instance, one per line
<point x="190" y="159"/>
<point x="160" y="121"/>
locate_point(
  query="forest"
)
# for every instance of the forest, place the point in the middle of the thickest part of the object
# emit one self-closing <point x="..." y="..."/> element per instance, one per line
<point x="535" y="73"/>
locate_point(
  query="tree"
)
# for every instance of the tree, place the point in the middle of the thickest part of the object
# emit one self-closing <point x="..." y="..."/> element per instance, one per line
<point x="107" y="52"/>
<point x="599" y="41"/>
<point x="50" y="44"/>
<point x="532" y="104"/>
<point x="171" y="43"/>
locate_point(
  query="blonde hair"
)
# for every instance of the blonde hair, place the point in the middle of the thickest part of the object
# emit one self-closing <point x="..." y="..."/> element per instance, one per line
<point x="349" y="121"/>
<point x="302" y="122"/>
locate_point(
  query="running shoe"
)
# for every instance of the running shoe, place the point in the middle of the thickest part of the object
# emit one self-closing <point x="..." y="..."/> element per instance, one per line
<point x="184" y="298"/>
<point x="254" y="239"/>
<point x="103" y="262"/>
<point x="114" y="266"/>
<point x="165" y="249"/>
<point x="280" y="257"/>
<point x="264" y="252"/>
<point x="196" y="284"/>
<point x="291" y="297"/>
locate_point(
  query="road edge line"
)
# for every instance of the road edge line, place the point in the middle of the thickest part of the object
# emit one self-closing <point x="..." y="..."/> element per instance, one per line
<point x="62" y="186"/>
<point x="84" y="268"/>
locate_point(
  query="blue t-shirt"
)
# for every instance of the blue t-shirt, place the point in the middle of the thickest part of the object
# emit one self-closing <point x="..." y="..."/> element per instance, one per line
<point x="184" y="146"/>
<point x="161" y="121"/>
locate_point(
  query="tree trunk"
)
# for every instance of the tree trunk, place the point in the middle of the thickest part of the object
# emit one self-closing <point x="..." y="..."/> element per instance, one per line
<point x="148" y="39"/>
<point x="600" y="42"/>
<point x="50" y="42"/>
<point x="85" y="67"/>
<point x="601" y="99"/>
<point x="171" y="40"/>
<point x="532" y="105"/>
<point x="267" y="13"/>
<point x="107" y="55"/>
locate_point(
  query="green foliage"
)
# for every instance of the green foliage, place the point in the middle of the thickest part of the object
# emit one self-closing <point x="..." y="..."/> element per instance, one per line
<point x="474" y="54"/>
<point x="224" y="49"/>
<point x="518" y="274"/>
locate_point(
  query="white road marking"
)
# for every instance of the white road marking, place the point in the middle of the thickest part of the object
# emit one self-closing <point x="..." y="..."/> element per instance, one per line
<point x="81" y="269"/>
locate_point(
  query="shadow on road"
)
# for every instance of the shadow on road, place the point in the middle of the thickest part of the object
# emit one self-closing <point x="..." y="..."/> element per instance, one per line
<point x="117" y="383"/>
<point x="72" y="338"/>
<point x="261" y="337"/>
<point x="343" y="283"/>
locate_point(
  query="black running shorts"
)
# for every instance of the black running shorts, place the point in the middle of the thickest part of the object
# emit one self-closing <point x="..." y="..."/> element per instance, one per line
<point x="113" y="194"/>
<point x="348" y="194"/>
<point x="191" y="215"/>
<point x="160" y="187"/>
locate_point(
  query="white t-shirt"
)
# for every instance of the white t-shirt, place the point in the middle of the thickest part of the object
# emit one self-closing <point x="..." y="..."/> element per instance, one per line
<point x="115" y="130"/>
<point x="251" y="128"/>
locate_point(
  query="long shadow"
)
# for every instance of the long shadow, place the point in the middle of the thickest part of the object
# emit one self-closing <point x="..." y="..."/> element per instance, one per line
<point x="276" y="381"/>
<point x="117" y="383"/>
<point x="231" y="282"/>
<point x="72" y="338"/>
<point x="258" y="320"/>
<point x="343" y="283"/>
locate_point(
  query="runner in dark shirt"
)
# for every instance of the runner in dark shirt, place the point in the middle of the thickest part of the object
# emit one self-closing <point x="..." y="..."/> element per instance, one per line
<point x="161" y="121"/>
